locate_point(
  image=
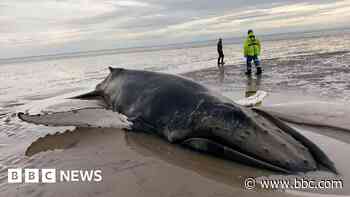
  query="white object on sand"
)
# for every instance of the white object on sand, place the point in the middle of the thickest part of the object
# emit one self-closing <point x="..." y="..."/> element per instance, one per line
<point x="253" y="100"/>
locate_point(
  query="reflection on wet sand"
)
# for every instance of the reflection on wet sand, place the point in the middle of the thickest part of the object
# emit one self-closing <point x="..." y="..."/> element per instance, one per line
<point x="55" y="141"/>
<point x="220" y="170"/>
<point x="120" y="154"/>
<point x="252" y="86"/>
<point x="224" y="171"/>
<point x="221" y="74"/>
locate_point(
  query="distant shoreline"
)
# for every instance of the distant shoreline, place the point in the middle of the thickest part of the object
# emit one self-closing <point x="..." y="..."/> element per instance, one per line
<point x="173" y="46"/>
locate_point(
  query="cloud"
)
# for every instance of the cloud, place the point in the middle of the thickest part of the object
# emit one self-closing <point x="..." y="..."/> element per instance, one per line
<point x="130" y="3"/>
<point x="63" y="25"/>
<point x="300" y="15"/>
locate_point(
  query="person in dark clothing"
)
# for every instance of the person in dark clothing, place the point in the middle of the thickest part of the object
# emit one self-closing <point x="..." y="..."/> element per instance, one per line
<point x="221" y="53"/>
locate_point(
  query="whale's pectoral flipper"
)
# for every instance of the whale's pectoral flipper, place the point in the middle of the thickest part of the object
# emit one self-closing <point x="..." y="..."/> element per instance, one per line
<point x="214" y="148"/>
<point x="87" y="117"/>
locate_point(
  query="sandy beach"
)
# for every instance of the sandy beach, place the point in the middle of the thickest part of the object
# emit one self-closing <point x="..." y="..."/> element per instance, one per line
<point x="138" y="164"/>
<point x="308" y="90"/>
<point x="165" y="98"/>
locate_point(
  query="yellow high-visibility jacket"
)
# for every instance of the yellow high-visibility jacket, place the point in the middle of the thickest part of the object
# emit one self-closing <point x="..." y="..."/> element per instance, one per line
<point x="252" y="46"/>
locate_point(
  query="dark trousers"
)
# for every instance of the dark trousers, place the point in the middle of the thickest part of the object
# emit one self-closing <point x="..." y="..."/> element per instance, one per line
<point x="249" y="62"/>
<point x="221" y="57"/>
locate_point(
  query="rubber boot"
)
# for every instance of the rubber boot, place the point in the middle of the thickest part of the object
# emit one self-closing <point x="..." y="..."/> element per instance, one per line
<point x="248" y="72"/>
<point x="258" y="71"/>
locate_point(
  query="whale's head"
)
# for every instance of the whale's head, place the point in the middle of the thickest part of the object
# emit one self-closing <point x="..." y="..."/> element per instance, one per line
<point x="256" y="138"/>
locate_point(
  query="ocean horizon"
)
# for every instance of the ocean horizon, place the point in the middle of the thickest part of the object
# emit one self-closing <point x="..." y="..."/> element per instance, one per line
<point x="170" y="46"/>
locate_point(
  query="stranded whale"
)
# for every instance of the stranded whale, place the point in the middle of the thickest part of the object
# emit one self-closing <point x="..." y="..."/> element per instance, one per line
<point x="185" y="112"/>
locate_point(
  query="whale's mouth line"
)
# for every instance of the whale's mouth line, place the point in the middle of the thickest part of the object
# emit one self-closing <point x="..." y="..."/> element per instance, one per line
<point x="256" y="158"/>
<point x="321" y="159"/>
<point x="231" y="153"/>
<point x="225" y="149"/>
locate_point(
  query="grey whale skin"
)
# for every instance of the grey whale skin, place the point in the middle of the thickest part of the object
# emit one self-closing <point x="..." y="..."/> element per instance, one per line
<point x="185" y="112"/>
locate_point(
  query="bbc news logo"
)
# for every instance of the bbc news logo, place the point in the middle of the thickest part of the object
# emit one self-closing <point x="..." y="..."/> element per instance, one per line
<point x="20" y="175"/>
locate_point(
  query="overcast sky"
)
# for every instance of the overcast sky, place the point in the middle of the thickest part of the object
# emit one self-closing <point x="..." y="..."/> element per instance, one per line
<point x="33" y="27"/>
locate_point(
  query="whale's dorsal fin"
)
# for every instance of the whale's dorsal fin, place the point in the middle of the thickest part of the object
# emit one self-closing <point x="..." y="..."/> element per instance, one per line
<point x="115" y="70"/>
<point x="93" y="95"/>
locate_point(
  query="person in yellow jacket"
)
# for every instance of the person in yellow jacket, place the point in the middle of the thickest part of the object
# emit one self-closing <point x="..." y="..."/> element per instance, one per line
<point x="252" y="48"/>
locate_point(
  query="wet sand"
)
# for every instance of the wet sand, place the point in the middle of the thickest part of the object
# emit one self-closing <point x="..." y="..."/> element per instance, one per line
<point x="138" y="164"/>
<point x="132" y="165"/>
